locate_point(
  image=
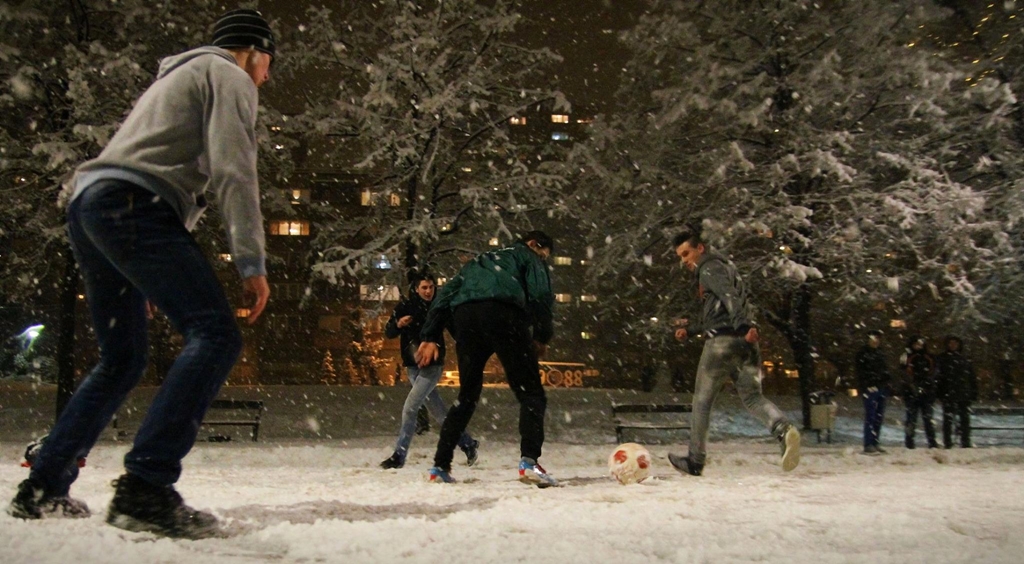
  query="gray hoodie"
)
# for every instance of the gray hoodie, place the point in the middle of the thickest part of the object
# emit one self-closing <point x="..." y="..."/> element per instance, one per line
<point x="726" y="301"/>
<point x="193" y="131"/>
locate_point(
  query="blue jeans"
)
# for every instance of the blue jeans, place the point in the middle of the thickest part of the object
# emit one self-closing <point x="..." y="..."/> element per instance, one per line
<point x="729" y="358"/>
<point x="424" y="389"/>
<point x="874" y="414"/>
<point x="131" y="246"/>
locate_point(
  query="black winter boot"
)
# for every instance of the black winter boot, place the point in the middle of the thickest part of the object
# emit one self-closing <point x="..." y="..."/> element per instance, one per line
<point x="32" y="502"/>
<point x="143" y="507"/>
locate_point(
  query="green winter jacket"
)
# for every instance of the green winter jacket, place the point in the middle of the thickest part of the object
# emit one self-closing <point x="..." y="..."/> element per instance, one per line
<point x="514" y="275"/>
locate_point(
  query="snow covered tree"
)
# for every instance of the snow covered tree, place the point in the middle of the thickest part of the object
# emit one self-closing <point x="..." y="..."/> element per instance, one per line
<point x="421" y="97"/>
<point x="822" y="145"/>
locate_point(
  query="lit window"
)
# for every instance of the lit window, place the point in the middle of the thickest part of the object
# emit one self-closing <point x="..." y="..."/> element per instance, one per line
<point x="467" y="169"/>
<point x="559" y="118"/>
<point x="563" y="298"/>
<point x="379" y="293"/>
<point x="585" y="120"/>
<point x="517" y="120"/>
<point x="559" y="136"/>
<point x="367" y="198"/>
<point x="494" y="242"/>
<point x="224" y="257"/>
<point x="562" y="261"/>
<point x="242" y="312"/>
<point x="442" y="281"/>
<point x="298" y="196"/>
<point x="586" y="336"/>
<point x="792" y="374"/>
<point x="898" y="324"/>
<point x="290" y="228"/>
<point x="394" y="200"/>
<point x="588" y="298"/>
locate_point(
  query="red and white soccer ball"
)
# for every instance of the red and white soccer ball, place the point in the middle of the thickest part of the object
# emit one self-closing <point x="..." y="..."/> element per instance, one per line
<point x="630" y="463"/>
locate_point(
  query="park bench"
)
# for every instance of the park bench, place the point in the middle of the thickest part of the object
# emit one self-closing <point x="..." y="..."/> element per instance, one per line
<point x="998" y="411"/>
<point x="241" y="413"/>
<point x="650" y="417"/>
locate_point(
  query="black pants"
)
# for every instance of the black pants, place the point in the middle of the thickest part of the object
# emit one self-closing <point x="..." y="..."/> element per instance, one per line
<point x="956" y="409"/>
<point x="924" y="405"/>
<point x="484" y="329"/>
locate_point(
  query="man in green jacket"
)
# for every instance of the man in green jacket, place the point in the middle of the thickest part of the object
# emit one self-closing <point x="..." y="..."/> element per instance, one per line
<point x="499" y="303"/>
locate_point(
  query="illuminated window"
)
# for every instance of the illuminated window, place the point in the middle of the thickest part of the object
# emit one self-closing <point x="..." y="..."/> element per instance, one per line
<point x="585" y="120"/>
<point x="563" y="298"/>
<point x="516" y="120"/>
<point x="331" y="323"/>
<point x="588" y="298"/>
<point x="394" y="200"/>
<point x="379" y="293"/>
<point x="792" y="374"/>
<point x="467" y="169"/>
<point x="898" y="324"/>
<point x="296" y="197"/>
<point x="224" y="257"/>
<point x="494" y="242"/>
<point x="562" y="261"/>
<point x="559" y="118"/>
<point x="367" y="198"/>
<point x="242" y="312"/>
<point x="559" y="136"/>
<point x="442" y="281"/>
<point x="291" y="228"/>
<point x="587" y="336"/>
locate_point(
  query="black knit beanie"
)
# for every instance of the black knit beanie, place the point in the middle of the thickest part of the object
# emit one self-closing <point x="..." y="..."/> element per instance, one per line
<point x="244" y="28"/>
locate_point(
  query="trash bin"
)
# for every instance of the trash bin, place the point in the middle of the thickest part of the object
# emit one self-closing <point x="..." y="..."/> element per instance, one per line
<point x="823" y="413"/>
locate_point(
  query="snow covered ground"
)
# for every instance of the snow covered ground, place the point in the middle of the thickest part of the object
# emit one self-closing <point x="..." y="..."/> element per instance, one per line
<point x="329" y="503"/>
<point x="324" y="500"/>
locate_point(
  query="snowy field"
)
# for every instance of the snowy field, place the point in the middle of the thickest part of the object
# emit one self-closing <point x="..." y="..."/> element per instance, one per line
<point x="329" y="503"/>
<point x="321" y="497"/>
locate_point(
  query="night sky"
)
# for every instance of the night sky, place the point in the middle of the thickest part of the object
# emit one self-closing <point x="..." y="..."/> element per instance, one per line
<point x="584" y="32"/>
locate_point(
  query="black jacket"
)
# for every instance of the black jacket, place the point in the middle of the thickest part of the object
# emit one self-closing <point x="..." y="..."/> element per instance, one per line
<point x="410" y="334"/>
<point x="957" y="381"/>
<point x="920" y="375"/>
<point x="871" y="370"/>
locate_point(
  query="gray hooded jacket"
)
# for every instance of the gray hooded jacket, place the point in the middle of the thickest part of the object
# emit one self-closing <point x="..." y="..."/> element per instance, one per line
<point x="193" y="131"/>
<point x="726" y="301"/>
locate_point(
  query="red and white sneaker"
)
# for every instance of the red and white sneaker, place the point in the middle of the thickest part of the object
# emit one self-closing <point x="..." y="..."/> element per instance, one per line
<point x="532" y="473"/>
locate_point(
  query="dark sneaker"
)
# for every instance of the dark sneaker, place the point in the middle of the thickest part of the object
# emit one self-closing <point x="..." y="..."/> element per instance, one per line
<point x="532" y="473"/>
<point x="789" y="441"/>
<point x="393" y="462"/>
<point x="471" y="453"/>
<point x="143" y="507"/>
<point x="685" y="465"/>
<point x="437" y="475"/>
<point x="32" y="502"/>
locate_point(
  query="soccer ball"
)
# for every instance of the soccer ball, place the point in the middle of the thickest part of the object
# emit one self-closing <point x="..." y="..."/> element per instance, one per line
<point x="630" y="463"/>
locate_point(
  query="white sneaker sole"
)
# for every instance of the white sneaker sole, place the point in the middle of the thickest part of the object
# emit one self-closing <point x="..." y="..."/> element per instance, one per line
<point x="535" y="480"/>
<point x="791" y="456"/>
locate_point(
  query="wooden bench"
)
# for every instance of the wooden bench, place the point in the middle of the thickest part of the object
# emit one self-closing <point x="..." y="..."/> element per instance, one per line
<point x="997" y="411"/>
<point x="641" y="420"/>
<point x="254" y="412"/>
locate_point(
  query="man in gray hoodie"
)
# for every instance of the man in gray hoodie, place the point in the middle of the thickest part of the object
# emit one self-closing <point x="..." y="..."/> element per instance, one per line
<point x="131" y="209"/>
<point x="730" y="353"/>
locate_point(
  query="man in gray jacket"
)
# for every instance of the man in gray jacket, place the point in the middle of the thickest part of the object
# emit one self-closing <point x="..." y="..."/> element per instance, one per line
<point x="192" y="133"/>
<point x="730" y="353"/>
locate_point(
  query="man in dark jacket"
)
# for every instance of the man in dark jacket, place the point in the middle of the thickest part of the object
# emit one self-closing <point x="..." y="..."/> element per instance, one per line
<point x="730" y="353"/>
<point x="919" y="390"/>
<point x="873" y="385"/>
<point x="494" y="302"/>
<point x="957" y="389"/>
<point x="406" y="322"/>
